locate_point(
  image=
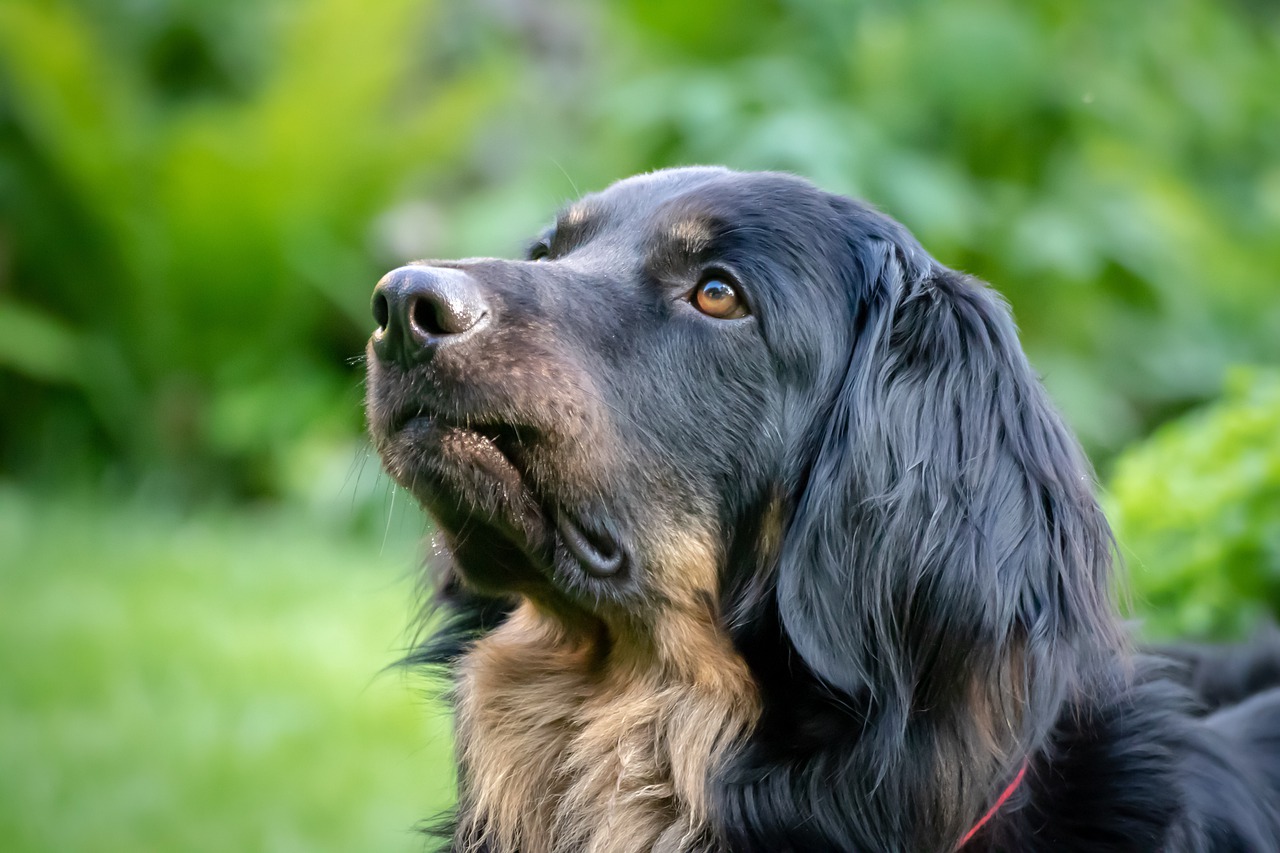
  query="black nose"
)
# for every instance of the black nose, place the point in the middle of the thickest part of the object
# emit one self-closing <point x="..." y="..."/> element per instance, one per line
<point x="419" y="309"/>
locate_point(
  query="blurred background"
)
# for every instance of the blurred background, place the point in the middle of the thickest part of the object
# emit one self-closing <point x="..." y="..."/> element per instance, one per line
<point x="203" y="576"/>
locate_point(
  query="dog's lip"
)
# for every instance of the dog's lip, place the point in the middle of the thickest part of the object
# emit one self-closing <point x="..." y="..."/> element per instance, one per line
<point x="402" y="418"/>
<point x="596" y="549"/>
<point x="589" y="538"/>
<point x="504" y="436"/>
<point x="437" y="443"/>
<point x="406" y="417"/>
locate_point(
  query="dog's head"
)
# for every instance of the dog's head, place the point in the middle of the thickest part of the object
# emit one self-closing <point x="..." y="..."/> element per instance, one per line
<point x="598" y="425"/>
<point x="736" y="392"/>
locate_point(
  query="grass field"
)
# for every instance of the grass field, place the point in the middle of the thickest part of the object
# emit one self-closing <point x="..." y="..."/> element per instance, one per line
<point x="209" y="682"/>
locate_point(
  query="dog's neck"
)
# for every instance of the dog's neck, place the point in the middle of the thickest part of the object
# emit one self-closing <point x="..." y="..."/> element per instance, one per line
<point x="599" y="743"/>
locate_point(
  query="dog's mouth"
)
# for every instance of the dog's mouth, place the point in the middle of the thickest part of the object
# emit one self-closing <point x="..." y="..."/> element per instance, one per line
<point x="475" y="478"/>
<point x="597" y="551"/>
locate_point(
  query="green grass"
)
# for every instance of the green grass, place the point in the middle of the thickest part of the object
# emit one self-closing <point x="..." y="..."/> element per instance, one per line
<point x="208" y="682"/>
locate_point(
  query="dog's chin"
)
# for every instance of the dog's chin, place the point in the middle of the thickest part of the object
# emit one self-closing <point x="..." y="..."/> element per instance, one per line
<point x="504" y="536"/>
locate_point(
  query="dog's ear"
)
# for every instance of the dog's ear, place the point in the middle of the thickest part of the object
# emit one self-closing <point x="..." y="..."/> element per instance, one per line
<point x="946" y="534"/>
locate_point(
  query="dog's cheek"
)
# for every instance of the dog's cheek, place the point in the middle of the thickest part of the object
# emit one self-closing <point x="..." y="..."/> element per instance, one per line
<point x="684" y="577"/>
<point x="684" y="565"/>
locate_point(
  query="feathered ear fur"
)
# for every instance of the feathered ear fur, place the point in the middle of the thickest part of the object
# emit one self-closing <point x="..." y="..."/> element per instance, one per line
<point x="947" y="567"/>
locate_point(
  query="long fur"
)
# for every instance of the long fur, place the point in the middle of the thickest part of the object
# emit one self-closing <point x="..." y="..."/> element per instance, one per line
<point x="900" y="597"/>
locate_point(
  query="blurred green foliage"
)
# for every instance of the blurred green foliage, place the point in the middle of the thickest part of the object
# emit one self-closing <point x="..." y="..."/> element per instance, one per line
<point x="187" y="192"/>
<point x="1197" y="513"/>
<point x="196" y="197"/>
<point x="209" y="682"/>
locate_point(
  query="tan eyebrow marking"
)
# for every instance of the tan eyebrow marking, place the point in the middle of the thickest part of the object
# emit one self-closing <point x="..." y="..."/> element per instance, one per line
<point x="574" y="216"/>
<point x="692" y="235"/>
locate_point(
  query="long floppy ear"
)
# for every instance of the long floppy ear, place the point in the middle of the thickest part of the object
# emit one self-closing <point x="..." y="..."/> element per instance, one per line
<point x="947" y="535"/>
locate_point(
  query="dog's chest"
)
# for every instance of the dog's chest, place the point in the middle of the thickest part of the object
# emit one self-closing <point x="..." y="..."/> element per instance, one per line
<point x="562" y="751"/>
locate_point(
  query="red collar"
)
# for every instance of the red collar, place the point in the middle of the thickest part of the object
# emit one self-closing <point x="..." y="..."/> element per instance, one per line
<point x="1000" y="801"/>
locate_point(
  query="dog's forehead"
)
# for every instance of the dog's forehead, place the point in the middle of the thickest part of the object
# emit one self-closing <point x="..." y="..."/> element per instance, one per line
<point x="652" y="189"/>
<point x="686" y="205"/>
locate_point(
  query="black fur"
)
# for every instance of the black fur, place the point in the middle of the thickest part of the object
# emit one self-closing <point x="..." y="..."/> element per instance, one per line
<point x="937" y="610"/>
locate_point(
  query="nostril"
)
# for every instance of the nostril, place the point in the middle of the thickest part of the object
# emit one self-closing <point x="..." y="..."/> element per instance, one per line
<point x="424" y="314"/>
<point x="420" y="308"/>
<point x="381" y="310"/>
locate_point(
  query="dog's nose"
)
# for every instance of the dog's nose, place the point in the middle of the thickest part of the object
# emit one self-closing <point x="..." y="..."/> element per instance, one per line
<point x="420" y="308"/>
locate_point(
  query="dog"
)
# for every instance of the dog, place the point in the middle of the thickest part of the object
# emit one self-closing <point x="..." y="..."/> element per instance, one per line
<point x="759" y="533"/>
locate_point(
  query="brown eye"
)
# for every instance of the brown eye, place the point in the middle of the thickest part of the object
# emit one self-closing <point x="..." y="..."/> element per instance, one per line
<point x="715" y="297"/>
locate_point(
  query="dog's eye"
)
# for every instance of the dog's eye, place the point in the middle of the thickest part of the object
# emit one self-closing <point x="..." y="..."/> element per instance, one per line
<point x="539" y="251"/>
<point x="717" y="298"/>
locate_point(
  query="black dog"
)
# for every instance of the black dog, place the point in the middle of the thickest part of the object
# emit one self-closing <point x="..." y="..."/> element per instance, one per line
<point x="763" y="536"/>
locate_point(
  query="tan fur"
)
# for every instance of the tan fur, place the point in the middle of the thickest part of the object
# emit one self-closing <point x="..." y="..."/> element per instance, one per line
<point x="996" y="704"/>
<point x="602" y="742"/>
<point x="692" y="235"/>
